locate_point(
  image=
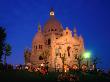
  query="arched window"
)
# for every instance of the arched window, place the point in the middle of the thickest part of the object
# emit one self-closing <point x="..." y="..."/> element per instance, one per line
<point x="49" y="41"/>
<point x="41" y="47"/>
<point x="40" y="58"/>
<point x="60" y="55"/>
<point x="66" y="33"/>
<point x="68" y="49"/>
<point x="52" y="30"/>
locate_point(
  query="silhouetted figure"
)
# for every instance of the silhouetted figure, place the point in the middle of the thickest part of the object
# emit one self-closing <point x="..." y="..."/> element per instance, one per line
<point x="5" y="67"/>
<point x="1" y="67"/>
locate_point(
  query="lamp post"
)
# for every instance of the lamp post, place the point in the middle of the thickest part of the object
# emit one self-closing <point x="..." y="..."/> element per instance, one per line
<point x="87" y="55"/>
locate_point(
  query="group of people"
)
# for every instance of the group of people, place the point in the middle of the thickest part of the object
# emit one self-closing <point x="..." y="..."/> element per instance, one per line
<point x="42" y="69"/>
<point x="6" y="67"/>
<point x="9" y="67"/>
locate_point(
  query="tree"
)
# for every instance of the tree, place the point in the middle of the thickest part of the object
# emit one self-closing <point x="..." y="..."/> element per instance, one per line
<point x="27" y="54"/>
<point x="7" y="52"/>
<point x="45" y="55"/>
<point x="95" y="61"/>
<point x="2" y="41"/>
<point x="79" y="60"/>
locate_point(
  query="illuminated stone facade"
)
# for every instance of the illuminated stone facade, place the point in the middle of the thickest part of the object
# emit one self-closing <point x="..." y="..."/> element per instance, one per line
<point x="53" y="44"/>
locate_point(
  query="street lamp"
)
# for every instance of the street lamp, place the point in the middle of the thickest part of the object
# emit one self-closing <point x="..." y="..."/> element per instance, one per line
<point x="42" y="64"/>
<point x="87" y="55"/>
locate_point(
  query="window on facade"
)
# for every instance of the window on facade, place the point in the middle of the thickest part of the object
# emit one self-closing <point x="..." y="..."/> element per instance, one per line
<point x="52" y="30"/>
<point x="40" y="46"/>
<point x="60" y="55"/>
<point x="68" y="49"/>
<point x="68" y="54"/>
<point x="76" y="50"/>
<point x="40" y="58"/>
<point x="66" y="33"/>
<point x="49" y="41"/>
<point x="56" y="54"/>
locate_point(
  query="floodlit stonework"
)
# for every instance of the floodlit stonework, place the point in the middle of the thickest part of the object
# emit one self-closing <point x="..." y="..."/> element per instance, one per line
<point x="54" y="44"/>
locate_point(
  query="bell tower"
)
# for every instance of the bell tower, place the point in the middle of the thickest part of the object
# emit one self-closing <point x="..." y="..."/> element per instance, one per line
<point x="51" y="12"/>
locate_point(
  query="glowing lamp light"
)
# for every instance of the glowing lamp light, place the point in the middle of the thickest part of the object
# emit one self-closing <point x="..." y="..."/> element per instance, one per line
<point x="51" y="13"/>
<point x="87" y="55"/>
<point x="65" y="71"/>
<point x="42" y="64"/>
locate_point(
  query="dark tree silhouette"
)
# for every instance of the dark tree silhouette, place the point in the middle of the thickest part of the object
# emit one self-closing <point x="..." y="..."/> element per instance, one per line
<point x="79" y="60"/>
<point x="2" y="41"/>
<point x="45" y="55"/>
<point x="95" y="61"/>
<point x="7" y="51"/>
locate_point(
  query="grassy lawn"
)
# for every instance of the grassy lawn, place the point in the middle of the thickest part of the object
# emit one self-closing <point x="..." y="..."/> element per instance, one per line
<point x="20" y="76"/>
<point x="26" y="76"/>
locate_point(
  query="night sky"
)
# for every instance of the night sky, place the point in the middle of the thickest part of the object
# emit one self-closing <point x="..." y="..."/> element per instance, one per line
<point x="91" y="18"/>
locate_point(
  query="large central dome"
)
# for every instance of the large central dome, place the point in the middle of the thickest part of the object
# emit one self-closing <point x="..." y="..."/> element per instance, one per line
<point x="52" y="24"/>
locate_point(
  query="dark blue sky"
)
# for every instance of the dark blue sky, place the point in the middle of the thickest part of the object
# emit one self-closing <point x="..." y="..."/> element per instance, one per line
<point x="91" y="18"/>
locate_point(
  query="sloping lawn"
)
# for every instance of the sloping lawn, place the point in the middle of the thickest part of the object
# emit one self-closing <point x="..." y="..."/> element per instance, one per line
<point x="20" y="76"/>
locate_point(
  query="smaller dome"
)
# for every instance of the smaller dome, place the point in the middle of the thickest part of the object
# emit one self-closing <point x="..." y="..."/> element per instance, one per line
<point x="39" y="38"/>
